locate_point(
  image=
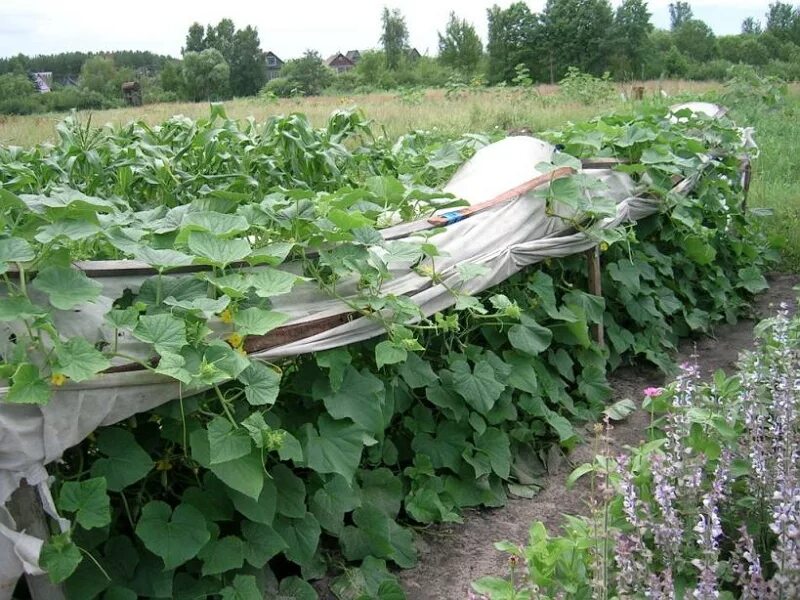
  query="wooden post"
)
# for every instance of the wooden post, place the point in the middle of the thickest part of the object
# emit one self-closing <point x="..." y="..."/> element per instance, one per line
<point x="26" y="508"/>
<point x="595" y="288"/>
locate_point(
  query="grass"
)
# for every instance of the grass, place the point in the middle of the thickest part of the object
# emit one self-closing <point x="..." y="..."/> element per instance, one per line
<point x="776" y="176"/>
<point x="477" y="111"/>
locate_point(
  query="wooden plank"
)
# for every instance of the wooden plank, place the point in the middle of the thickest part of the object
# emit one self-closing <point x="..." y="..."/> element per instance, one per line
<point x="595" y="288"/>
<point x="28" y="513"/>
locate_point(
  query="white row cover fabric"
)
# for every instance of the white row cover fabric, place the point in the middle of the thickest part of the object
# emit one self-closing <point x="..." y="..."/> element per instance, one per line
<point x="503" y="239"/>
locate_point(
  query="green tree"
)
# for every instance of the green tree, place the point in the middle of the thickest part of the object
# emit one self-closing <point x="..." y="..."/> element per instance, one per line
<point x="205" y="75"/>
<point x="631" y="35"/>
<point x="221" y="37"/>
<point x="195" y="39"/>
<point x="695" y="39"/>
<point x="171" y="77"/>
<point x="248" y="63"/>
<point x="516" y="36"/>
<point x="13" y="85"/>
<point x="579" y="32"/>
<point x="679" y="13"/>
<point x="99" y="74"/>
<point x="308" y="74"/>
<point x="394" y="37"/>
<point x="460" y="47"/>
<point x="782" y="21"/>
<point x="751" y="26"/>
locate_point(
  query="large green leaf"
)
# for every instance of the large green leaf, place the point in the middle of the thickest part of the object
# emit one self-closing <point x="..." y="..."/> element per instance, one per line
<point x="227" y="442"/>
<point x="377" y="534"/>
<point x="530" y="338"/>
<point x="165" y="332"/>
<point x="334" y="448"/>
<point x="261" y="384"/>
<point x="216" y="223"/>
<point x="65" y="287"/>
<point x="260" y="510"/>
<point x="175" y="536"/>
<point x="301" y="537"/>
<point x="162" y="259"/>
<point x="297" y="589"/>
<point x="59" y="557"/>
<point x="291" y="492"/>
<point x="261" y="543"/>
<point x="28" y="387"/>
<point x="751" y="279"/>
<point x="479" y="387"/>
<point x="330" y="503"/>
<point x="126" y="461"/>
<point x="212" y="250"/>
<point x="417" y="372"/>
<point x="244" y="474"/>
<point x="15" y="249"/>
<point x="19" y="307"/>
<point x="222" y="555"/>
<point x="257" y="321"/>
<point x="244" y="587"/>
<point x="270" y="282"/>
<point x="495" y="444"/>
<point x="79" y="360"/>
<point x="88" y="500"/>
<point x="382" y="489"/>
<point x="359" y="398"/>
<point x="699" y="250"/>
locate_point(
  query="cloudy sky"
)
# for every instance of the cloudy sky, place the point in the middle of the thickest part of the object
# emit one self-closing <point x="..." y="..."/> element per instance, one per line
<point x="286" y="27"/>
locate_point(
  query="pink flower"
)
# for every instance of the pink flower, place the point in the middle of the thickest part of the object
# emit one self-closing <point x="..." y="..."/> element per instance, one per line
<point x="653" y="391"/>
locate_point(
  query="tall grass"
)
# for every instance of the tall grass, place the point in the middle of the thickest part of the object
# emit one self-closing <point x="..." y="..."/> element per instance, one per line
<point x="776" y="176"/>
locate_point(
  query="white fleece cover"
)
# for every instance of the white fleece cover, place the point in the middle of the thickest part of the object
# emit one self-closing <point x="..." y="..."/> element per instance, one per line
<point x="504" y="239"/>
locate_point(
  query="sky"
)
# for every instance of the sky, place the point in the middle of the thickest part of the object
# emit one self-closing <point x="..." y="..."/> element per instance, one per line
<point x="287" y="28"/>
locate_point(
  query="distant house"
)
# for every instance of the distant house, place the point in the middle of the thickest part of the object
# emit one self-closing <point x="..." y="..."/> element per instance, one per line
<point x="413" y="54"/>
<point x="340" y="63"/>
<point x="43" y="81"/>
<point x="354" y="55"/>
<point x="274" y="65"/>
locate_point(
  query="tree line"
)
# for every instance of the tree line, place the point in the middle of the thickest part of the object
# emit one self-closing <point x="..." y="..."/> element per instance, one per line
<point x="220" y="61"/>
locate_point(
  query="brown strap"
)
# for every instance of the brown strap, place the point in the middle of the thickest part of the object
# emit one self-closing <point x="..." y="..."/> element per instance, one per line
<point x="524" y="188"/>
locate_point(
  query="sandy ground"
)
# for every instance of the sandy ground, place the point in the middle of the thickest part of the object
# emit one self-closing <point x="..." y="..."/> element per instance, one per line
<point x="453" y="555"/>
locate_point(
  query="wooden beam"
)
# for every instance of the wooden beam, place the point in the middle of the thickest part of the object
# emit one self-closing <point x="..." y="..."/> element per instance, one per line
<point x="28" y="513"/>
<point x="595" y="288"/>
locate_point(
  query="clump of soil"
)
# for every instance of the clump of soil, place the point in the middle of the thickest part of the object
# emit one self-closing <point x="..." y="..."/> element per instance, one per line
<point x="453" y="555"/>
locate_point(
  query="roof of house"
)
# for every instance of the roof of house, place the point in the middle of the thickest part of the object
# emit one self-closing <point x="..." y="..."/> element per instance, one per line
<point x="339" y="59"/>
<point x="353" y="55"/>
<point x="271" y="53"/>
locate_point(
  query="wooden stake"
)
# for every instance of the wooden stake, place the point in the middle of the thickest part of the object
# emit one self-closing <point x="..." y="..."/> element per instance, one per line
<point x="595" y="288"/>
<point x="26" y="508"/>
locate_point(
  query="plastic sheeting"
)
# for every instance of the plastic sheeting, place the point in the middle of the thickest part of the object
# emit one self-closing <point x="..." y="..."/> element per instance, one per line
<point x="503" y="239"/>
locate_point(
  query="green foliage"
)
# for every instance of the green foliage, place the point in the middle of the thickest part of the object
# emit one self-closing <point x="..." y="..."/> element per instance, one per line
<point x="580" y="34"/>
<point x="306" y="76"/>
<point x="695" y="39"/>
<point x="724" y="531"/>
<point x="460" y="47"/>
<point x="586" y="88"/>
<point x="273" y="466"/>
<point x="514" y="36"/>
<point x="206" y="75"/>
<point x="394" y="37"/>
<point x="16" y="86"/>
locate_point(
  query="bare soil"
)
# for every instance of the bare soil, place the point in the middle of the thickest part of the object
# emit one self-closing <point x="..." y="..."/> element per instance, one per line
<point x="451" y="556"/>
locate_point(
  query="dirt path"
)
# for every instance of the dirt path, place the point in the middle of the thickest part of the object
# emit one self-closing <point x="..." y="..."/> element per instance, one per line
<point x="453" y="555"/>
